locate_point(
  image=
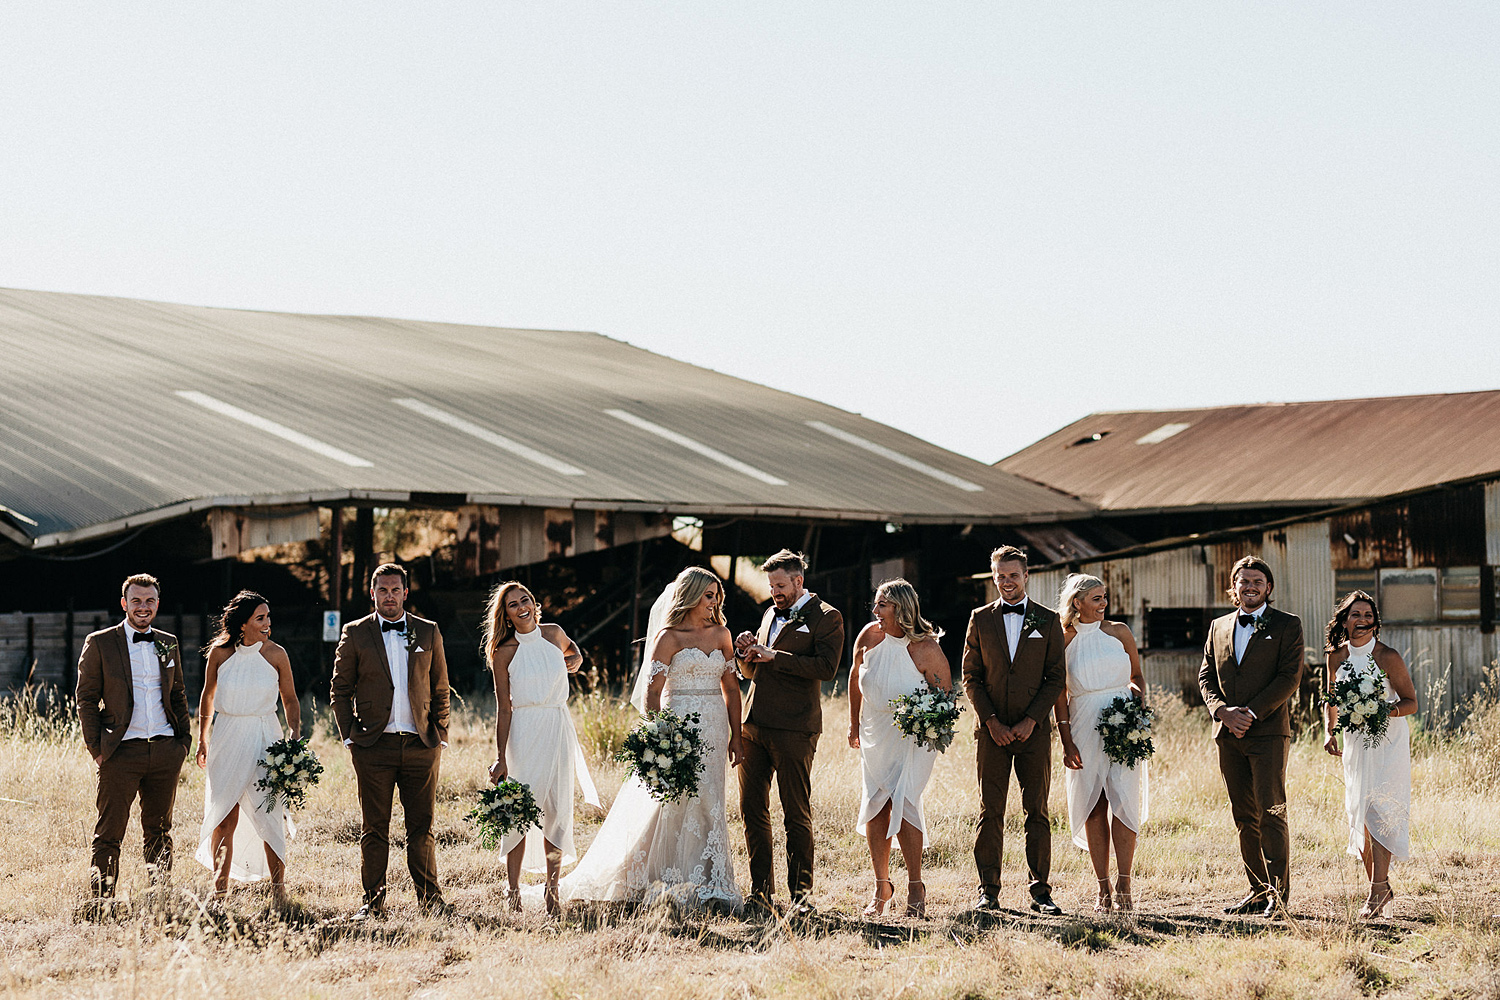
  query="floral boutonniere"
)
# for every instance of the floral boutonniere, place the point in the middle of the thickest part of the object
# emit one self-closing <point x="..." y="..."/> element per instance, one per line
<point x="796" y="616"/>
<point x="410" y="635"/>
<point x="1032" y="623"/>
<point x="164" y="650"/>
<point x="1262" y="626"/>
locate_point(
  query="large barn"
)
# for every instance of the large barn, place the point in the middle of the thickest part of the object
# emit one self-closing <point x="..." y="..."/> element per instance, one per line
<point x="223" y="448"/>
<point x="1396" y="496"/>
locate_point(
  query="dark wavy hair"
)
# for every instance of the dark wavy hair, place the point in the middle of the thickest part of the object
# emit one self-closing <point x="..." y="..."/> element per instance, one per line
<point x="1337" y="632"/>
<point x="1255" y="563"/>
<point x="239" y="610"/>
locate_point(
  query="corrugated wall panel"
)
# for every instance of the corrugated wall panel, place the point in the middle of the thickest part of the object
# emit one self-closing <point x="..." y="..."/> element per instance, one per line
<point x="1492" y="523"/>
<point x="1299" y="555"/>
<point x="1447" y="663"/>
<point x="1176" y="578"/>
<point x="1043" y="587"/>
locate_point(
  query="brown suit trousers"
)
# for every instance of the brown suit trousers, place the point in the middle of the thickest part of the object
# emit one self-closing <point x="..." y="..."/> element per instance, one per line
<point x="1032" y="763"/>
<point x="148" y="768"/>
<point x="396" y="761"/>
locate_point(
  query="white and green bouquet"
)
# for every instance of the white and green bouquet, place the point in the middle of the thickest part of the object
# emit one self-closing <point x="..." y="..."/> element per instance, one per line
<point x="1125" y="726"/>
<point x="1359" y="695"/>
<point x="291" y="769"/>
<point x="928" y="715"/>
<point x="502" y="809"/>
<point x="666" y="752"/>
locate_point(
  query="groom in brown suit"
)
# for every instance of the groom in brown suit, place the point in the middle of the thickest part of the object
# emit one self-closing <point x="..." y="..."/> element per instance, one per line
<point x="132" y="707"/>
<point x="797" y="648"/>
<point x="390" y="700"/>
<point x="1252" y="666"/>
<point x="1013" y="673"/>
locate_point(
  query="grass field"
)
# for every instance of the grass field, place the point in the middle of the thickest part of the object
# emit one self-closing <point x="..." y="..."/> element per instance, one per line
<point x="1441" y="942"/>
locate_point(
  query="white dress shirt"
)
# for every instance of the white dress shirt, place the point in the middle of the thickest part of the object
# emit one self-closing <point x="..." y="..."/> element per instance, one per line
<point x="148" y="716"/>
<point x="1013" y="625"/>
<point x="777" y="624"/>
<point x="1244" y="633"/>
<point x="395" y="652"/>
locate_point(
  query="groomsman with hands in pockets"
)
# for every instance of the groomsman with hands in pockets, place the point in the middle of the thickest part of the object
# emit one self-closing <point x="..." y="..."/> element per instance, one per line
<point x="1014" y="669"/>
<point x="132" y="708"/>
<point x="390" y="700"/>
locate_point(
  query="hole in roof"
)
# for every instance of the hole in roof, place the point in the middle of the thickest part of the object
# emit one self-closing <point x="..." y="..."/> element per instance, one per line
<point x="1091" y="438"/>
<point x="1162" y="433"/>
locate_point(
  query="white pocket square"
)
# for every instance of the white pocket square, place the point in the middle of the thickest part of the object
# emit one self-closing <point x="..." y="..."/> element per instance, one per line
<point x="419" y="649"/>
<point x="803" y="628"/>
<point x="1034" y="634"/>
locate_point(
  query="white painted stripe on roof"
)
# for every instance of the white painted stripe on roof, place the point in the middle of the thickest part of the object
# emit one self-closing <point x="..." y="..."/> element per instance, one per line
<point x="272" y="427"/>
<point x="697" y="446"/>
<point x="490" y="437"/>
<point x="895" y="456"/>
<point x="1162" y="433"/>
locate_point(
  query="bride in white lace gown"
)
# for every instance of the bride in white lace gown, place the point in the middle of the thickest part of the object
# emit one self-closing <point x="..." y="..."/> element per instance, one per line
<point x="647" y="850"/>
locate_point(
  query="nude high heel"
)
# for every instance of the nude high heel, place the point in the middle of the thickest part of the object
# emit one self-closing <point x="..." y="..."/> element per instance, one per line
<point x="915" y="906"/>
<point x="876" y="906"/>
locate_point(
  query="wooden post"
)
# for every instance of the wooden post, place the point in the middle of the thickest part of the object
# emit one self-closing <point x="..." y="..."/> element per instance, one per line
<point x="336" y="560"/>
<point x="30" y="649"/>
<point x="635" y="593"/>
<point x="364" y="548"/>
<point x="70" y="666"/>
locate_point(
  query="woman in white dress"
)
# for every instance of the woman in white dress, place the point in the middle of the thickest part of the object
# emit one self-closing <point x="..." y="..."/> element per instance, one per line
<point x="1377" y="780"/>
<point x="1107" y="801"/>
<point x="243" y="675"/>
<point x="896" y="654"/>
<point x="648" y="850"/>
<point x="534" y="736"/>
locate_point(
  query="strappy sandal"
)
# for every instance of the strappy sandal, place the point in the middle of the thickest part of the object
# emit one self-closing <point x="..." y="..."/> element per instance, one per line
<point x="1103" y="903"/>
<point x="1123" y="902"/>
<point x="1376" y="903"/>
<point x="876" y="906"/>
<point x="513" y="898"/>
<point x="915" y="907"/>
<point x="549" y="897"/>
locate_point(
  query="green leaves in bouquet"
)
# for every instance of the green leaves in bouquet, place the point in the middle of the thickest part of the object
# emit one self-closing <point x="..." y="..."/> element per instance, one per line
<point x="1125" y="726"/>
<point x="665" y="751"/>
<point x="291" y="768"/>
<point x="502" y="809"/>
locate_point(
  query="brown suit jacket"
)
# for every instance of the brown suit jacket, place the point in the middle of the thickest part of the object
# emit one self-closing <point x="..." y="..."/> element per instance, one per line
<point x="787" y="692"/>
<point x="362" y="687"/>
<point x="106" y="697"/>
<point x="1026" y="688"/>
<point x="1263" y="682"/>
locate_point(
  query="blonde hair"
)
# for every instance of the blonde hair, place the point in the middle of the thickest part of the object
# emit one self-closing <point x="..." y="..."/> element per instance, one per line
<point x="687" y="590"/>
<point x="908" y="610"/>
<point x="1074" y="587"/>
<point x="497" y="626"/>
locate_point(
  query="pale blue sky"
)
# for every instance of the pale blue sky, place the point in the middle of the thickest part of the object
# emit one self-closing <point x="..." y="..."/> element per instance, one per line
<point x="974" y="221"/>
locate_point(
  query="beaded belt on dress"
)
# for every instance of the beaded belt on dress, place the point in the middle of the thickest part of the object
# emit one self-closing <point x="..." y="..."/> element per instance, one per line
<point x="679" y="692"/>
<point x="243" y="715"/>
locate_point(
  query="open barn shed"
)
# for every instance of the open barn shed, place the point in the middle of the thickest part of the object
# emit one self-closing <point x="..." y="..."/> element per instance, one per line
<point x="222" y="448"/>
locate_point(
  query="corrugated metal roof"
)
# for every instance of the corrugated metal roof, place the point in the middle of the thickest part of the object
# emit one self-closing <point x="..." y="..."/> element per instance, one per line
<point x="114" y="411"/>
<point x="1284" y="454"/>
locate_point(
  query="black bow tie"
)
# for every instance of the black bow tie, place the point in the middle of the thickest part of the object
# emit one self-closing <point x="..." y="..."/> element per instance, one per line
<point x="1012" y="609"/>
<point x="782" y="614"/>
<point x="393" y="626"/>
<point x="143" y="637"/>
<point x="1247" y="620"/>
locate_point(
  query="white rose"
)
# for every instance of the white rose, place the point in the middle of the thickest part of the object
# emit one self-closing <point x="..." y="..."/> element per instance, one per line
<point x="1366" y="686"/>
<point x="1117" y="719"/>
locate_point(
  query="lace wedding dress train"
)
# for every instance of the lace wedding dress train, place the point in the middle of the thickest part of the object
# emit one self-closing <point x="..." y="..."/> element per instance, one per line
<point x="647" y="850"/>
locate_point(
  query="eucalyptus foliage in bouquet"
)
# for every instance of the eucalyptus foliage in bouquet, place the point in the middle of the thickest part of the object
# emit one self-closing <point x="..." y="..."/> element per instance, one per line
<point x="666" y="752"/>
<point x="928" y="715"/>
<point x="502" y="809"/>
<point x="1125" y="725"/>
<point x="1359" y="695"/>
<point x="291" y="769"/>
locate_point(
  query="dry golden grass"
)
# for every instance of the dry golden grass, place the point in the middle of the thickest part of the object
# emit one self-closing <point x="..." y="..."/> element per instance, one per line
<point x="1442" y="942"/>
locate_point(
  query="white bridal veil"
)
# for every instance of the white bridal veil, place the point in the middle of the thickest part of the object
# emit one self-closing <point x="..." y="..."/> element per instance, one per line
<point x="654" y="624"/>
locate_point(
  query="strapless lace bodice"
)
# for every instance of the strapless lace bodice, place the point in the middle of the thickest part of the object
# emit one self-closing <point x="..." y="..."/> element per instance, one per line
<point x="692" y="673"/>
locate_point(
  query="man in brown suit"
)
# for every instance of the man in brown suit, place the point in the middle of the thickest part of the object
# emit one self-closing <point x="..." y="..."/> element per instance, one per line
<point x="1252" y="666"/>
<point x="132" y="707"/>
<point x="797" y="648"/>
<point x="390" y="700"/>
<point x="1013" y="672"/>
